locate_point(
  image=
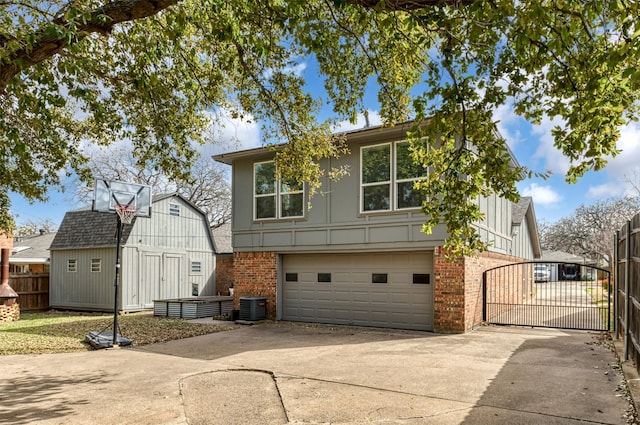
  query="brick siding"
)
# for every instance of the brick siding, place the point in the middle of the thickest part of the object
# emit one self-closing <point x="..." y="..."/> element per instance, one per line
<point x="255" y="275"/>
<point x="457" y="285"/>
<point x="458" y="289"/>
<point x="224" y="274"/>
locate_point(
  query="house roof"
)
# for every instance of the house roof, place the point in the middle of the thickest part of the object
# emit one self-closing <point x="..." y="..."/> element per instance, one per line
<point x="88" y="229"/>
<point x="560" y="256"/>
<point x="222" y="239"/>
<point x="397" y="131"/>
<point x="32" y="249"/>
<point x="523" y="212"/>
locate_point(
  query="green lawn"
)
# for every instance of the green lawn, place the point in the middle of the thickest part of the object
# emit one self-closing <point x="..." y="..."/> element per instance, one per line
<point x="59" y="332"/>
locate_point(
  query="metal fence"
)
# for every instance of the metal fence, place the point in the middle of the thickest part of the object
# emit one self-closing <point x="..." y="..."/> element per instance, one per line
<point x="627" y="282"/>
<point x="548" y="294"/>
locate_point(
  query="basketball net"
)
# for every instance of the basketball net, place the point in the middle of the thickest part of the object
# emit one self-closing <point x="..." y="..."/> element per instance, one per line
<point x="126" y="212"/>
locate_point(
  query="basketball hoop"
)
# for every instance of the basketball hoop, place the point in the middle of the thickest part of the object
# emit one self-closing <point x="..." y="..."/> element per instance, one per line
<point x="126" y="212"/>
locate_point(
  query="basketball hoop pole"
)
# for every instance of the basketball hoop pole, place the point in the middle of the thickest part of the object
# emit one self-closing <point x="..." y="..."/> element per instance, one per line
<point x="117" y="286"/>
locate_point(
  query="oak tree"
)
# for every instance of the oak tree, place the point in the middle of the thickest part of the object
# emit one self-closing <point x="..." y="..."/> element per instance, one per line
<point x="155" y="72"/>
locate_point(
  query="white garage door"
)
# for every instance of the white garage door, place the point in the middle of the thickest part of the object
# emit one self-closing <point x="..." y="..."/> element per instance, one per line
<point x="393" y="290"/>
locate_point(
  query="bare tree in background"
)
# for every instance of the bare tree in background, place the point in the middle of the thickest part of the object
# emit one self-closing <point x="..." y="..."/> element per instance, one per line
<point x="33" y="227"/>
<point x="208" y="189"/>
<point x="590" y="230"/>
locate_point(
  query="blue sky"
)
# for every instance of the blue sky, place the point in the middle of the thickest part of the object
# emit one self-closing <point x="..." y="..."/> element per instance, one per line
<point x="532" y="146"/>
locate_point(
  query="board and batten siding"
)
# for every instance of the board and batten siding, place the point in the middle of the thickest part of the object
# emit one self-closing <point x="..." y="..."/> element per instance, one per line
<point x="188" y="231"/>
<point x="150" y="274"/>
<point x="82" y="289"/>
<point x="333" y="222"/>
<point x="495" y="227"/>
<point x="159" y="254"/>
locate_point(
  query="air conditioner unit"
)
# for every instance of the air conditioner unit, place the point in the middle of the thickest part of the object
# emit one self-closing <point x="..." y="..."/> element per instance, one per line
<point x="253" y="308"/>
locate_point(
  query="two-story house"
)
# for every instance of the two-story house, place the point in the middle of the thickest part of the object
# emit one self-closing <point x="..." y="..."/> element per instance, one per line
<point x="358" y="256"/>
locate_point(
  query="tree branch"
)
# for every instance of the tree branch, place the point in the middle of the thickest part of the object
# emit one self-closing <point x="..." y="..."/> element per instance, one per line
<point x="407" y="5"/>
<point x="101" y="20"/>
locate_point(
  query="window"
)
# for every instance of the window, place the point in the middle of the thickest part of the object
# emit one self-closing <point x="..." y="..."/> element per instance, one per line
<point x="420" y="279"/>
<point x="174" y="209"/>
<point x="379" y="278"/>
<point x="387" y="177"/>
<point x="291" y="277"/>
<point x="275" y="198"/>
<point x="72" y="266"/>
<point x="96" y="265"/>
<point x="196" y="267"/>
<point x="324" y="277"/>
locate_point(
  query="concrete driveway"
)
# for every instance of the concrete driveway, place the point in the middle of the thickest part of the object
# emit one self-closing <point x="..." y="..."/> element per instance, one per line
<point x="281" y="373"/>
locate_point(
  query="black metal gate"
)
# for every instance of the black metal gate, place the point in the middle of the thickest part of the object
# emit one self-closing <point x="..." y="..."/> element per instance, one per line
<point x="552" y="295"/>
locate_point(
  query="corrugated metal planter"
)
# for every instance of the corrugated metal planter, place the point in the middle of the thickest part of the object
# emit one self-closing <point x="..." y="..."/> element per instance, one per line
<point x="193" y="308"/>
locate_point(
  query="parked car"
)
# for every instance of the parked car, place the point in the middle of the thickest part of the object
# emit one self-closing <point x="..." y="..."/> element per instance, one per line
<point x="541" y="273"/>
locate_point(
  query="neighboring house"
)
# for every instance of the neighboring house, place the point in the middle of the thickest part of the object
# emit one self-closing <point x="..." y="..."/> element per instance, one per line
<point x="566" y="266"/>
<point x="168" y="256"/>
<point x="224" y="258"/>
<point x="358" y="256"/>
<point x="30" y="254"/>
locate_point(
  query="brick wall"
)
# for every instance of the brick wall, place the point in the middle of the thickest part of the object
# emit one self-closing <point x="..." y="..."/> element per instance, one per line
<point x="458" y="289"/>
<point x="224" y="274"/>
<point x="449" y="293"/>
<point x="255" y="275"/>
<point x="474" y="269"/>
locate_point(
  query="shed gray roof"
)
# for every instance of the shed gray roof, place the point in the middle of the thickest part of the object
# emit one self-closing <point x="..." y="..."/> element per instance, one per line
<point x="222" y="239"/>
<point x="88" y="229"/>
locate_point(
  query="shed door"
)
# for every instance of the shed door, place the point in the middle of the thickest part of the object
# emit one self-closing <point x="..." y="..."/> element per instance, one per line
<point x="392" y="290"/>
<point x="150" y="278"/>
<point x="171" y="285"/>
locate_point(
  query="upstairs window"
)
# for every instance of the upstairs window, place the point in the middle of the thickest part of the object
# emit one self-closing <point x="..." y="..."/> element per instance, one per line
<point x="274" y="198"/>
<point x="387" y="178"/>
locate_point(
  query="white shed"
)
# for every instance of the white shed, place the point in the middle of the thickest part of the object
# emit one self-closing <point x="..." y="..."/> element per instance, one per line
<point x="170" y="255"/>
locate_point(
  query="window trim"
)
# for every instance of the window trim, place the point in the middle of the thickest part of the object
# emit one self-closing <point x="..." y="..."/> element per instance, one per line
<point x="94" y="269"/>
<point x="198" y="272"/>
<point x="71" y="269"/>
<point x="174" y="209"/>
<point x="392" y="183"/>
<point x="278" y="194"/>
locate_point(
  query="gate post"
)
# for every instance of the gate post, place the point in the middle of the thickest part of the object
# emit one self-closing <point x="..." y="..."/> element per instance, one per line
<point x="484" y="296"/>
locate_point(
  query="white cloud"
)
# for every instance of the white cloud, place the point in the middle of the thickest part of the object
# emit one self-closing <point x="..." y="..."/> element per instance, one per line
<point x="552" y="157"/>
<point x="374" y="119"/>
<point x="604" y="190"/>
<point x="507" y="123"/>
<point x="230" y="133"/>
<point x="542" y="195"/>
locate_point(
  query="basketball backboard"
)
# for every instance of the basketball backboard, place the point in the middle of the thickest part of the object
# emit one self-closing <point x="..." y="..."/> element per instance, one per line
<point x="108" y="194"/>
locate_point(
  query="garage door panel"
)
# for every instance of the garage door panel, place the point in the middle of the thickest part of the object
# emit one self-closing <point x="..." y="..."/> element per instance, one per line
<point x="352" y="298"/>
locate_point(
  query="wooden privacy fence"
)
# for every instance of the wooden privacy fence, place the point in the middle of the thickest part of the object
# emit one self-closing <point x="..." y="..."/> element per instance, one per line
<point x="32" y="289"/>
<point x="627" y="305"/>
